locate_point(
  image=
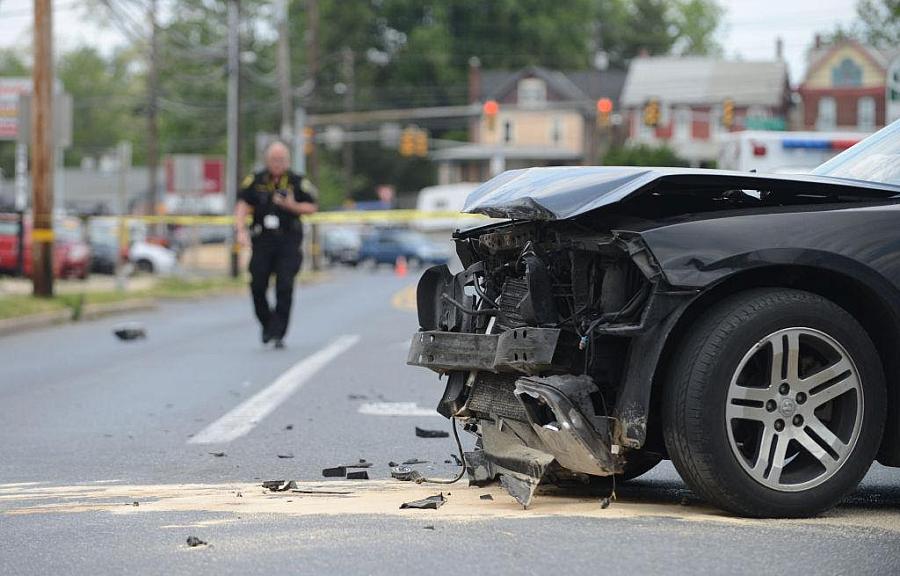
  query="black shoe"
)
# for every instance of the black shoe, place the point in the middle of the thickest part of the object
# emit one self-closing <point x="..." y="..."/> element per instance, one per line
<point x="266" y="336"/>
<point x="279" y="343"/>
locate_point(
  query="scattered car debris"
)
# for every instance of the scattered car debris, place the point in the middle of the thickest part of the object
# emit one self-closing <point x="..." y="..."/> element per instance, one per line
<point x="456" y="459"/>
<point x="218" y="454"/>
<point x="430" y="503"/>
<point x="424" y="433"/>
<point x="406" y="474"/>
<point x="361" y="475"/>
<point x="392" y="464"/>
<point x="448" y="461"/>
<point x="135" y="503"/>
<point x="288" y="455"/>
<point x="361" y="464"/>
<point x="357" y="397"/>
<point x="279" y="485"/>
<point x="486" y="497"/>
<point x="239" y="495"/>
<point x="289" y="427"/>
<point x="604" y="502"/>
<point x="428" y="527"/>
<point x="193" y="542"/>
<point x="412" y="461"/>
<point x="336" y="472"/>
<point x="131" y="331"/>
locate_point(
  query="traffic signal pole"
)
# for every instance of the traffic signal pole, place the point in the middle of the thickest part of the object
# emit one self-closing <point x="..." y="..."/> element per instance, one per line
<point x="42" y="151"/>
<point x="232" y="175"/>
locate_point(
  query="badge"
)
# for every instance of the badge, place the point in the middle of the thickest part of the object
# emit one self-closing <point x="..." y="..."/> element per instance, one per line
<point x="271" y="222"/>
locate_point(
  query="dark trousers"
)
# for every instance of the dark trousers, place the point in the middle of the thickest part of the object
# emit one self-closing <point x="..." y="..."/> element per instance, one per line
<point x="279" y="256"/>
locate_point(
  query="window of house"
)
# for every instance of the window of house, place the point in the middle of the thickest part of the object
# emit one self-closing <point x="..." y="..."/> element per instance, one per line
<point x="682" y="129"/>
<point x="556" y="130"/>
<point x="865" y="113"/>
<point x="847" y="73"/>
<point x="508" y="131"/>
<point x="826" y="119"/>
<point x="532" y="92"/>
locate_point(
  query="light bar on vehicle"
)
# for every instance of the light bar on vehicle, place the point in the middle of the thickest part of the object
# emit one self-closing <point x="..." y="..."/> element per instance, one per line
<point x="818" y="144"/>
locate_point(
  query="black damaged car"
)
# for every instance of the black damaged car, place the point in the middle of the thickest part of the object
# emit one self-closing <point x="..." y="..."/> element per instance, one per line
<point x="745" y="326"/>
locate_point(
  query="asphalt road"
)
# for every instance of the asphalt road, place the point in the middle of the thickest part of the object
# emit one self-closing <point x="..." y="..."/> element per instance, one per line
<point x="90" y="425"/>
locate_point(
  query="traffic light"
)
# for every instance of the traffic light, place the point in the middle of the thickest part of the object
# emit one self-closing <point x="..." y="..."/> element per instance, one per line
<point x="490" y="109"/>
<point x="604" y="109"/>
<point x="728" y="113"/>
<point x="421" y="143"/>
<point x="651" y="113"/>
<point x="408" y="142"/>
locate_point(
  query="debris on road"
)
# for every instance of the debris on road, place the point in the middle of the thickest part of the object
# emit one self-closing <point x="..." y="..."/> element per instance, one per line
<point x="424" y="433"/>
<point x="357" y="397"/>
<point x="406" y="474"/>
<point x="336" y="472"/>
<point x="412" y="461"/>
<point x="131" y="331"/>
<point x="323" y="492"/>
<point x="604" y="503"/>
<point x="362" y="475"/>
<point x="392" y="464"/>
<point x="430" y="503"/>
<point x="486" y="497"/>
<point x="288" y="455"/>
<point x="193" y="542"/>
<point x="361" y="464"/>
<point x="456" y="459"/>
<point x="279" y="485"/>
<point x="218" y="454"/>
<point x="428" y="527"/>
<point x="289" y="427"/>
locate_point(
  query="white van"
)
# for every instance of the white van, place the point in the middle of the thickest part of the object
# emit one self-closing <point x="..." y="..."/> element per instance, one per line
<point x="781" y="152"/>
<point x="444" y="198"/>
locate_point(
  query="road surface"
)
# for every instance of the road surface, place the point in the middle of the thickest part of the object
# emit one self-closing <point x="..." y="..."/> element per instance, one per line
<point x="90" y="425"/>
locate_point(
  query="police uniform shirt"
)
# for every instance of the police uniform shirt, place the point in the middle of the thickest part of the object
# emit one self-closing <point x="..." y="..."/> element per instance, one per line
<point x="270" y="220"/>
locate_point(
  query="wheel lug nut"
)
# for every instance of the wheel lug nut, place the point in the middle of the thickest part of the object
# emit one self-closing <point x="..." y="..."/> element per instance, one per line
<point x="771" y="405"/>
<point x="779" y="425"/>
<point x="798" y="420"/>
<point x="801" y="398"/>
<point x="784" y="389"/>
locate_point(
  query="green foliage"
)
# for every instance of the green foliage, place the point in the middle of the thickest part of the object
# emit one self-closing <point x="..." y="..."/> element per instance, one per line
<point x="880" y="21"/>
<point x="643" y="155"/>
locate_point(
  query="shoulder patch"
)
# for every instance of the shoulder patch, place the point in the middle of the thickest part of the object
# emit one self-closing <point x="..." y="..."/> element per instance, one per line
<point x="247" y="181"/>
<point x="309" y="188"/>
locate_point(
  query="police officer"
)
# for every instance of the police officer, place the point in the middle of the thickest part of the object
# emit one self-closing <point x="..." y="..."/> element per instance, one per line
<point x="276" y="197"/>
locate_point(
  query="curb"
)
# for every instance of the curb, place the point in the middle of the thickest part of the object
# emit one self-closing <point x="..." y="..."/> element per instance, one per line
<point x="94" y="311"/>
<point x="42" y="320"/>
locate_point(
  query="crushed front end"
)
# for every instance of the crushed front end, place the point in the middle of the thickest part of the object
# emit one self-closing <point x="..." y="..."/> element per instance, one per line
<point x="535" y="341"/>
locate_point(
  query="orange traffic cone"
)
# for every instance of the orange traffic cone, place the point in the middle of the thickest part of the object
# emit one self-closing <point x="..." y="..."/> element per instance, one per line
<point x="400" y="266"/>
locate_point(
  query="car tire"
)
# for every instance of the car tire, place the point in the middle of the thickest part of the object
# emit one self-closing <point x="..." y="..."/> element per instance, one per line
<point x="144" y="265"/>
<point x="752" y="430"/>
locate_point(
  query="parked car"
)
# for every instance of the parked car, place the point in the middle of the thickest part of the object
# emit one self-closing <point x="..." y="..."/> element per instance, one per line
<point x="143" y="255"/>
<point x="71" y="254"/>
<point x="743" y="325"/>
<point x="386" y="245"/>
<point x="341" y="245"/>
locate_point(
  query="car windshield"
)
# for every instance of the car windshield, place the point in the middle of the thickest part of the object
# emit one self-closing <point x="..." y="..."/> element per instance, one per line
<point x="876" y="159"/>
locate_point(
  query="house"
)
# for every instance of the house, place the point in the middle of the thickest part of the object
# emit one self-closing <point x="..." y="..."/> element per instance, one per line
<point x="531" y="117"/>
<point x="844" y="87"/>
<point x="700" y="97"/>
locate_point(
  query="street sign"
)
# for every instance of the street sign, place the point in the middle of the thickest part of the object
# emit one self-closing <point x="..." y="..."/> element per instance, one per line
<point x="10" y="91"/>
<point x="62" y="119"/>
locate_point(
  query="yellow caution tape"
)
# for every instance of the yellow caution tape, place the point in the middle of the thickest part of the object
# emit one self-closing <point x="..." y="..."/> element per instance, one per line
<point x="337" y="217"/>
<point x="42" y="235"/>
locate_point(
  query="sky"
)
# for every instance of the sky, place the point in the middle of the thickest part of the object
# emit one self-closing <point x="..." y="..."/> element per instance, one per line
<point x="749" y="30"/>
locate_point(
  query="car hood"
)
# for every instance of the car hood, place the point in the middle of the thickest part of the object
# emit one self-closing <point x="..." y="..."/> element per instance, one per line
<point x="558" y="193"/>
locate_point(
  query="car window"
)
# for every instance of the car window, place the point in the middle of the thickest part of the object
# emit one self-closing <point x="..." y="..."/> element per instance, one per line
<point x="876" y="159"/>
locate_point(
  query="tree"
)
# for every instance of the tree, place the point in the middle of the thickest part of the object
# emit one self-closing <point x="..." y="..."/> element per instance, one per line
<point x="642" y="155"/>
<point x="880" y="21"/>
<point x="696" y="22"/>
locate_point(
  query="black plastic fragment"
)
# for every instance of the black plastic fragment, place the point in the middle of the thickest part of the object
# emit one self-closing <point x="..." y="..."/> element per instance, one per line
<point x="288" y="455"/>
<point x="412" y="461"/>
<point x="217" y="454"/>
<point x="430" y="503"/>
<point x="361" y="475"/>
<point x="423" y="433"/>
<point x="193" y="542"/>
<point x="336" y="472"/>
<point x="130" y="332"/>
<point x="486" y="497"/>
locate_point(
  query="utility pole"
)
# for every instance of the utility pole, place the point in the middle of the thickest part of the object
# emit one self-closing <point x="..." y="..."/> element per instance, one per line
<point x="347" y="149"/>
<point x="312" y="70"/>
<point x="283" y="65"/>
<point x="153" y="108"/>
<point x="232" y="169"/>
<point x="42" y="151"/>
